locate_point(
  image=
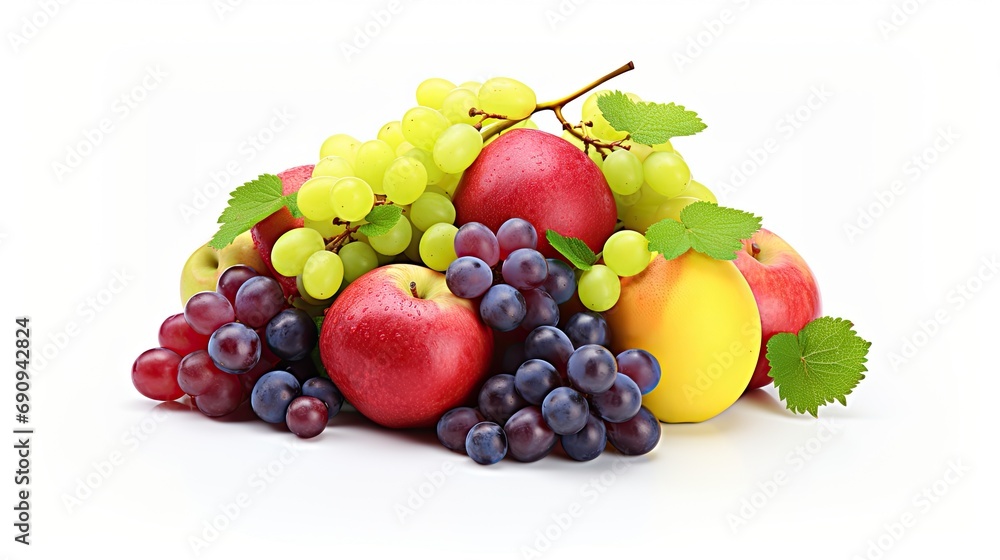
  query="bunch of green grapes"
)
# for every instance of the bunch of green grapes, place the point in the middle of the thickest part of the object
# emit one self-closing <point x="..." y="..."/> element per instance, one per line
<point x="415" y="163"/>
<point x="649" y="183"/>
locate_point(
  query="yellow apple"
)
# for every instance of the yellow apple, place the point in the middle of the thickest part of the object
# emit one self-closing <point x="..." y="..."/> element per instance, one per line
<point x="202" y="270"/>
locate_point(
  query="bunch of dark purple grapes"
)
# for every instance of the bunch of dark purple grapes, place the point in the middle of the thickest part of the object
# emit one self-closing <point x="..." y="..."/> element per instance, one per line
<point x="532" y="287"/>
<point x="569" y="389"/>
<point x="241" y="342"/>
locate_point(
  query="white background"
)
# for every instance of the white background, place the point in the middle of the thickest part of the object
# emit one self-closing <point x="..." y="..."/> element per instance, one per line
<point x="890" y="92"/>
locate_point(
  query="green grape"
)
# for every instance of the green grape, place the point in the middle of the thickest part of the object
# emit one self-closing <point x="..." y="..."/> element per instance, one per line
<point x="403" y="148"/>
<point x="623" y="171"/>
<point x="666" y="173"/>
<point x="664" y="147"/>
<point x="448" y="184"/>
<point x="626" y="252"/>
<point x="422" y="126"/>
<point x="628" y="199"/>
<point x="343" y="145"/>
<point x="352" y="199"/>
<point x="432" y="91"/>
<point x="457" y="148"/>
<point x="326" y="228"/>
<point x="358" y="258"/>
<point x="699" y="191"/>
<point x="639" y="217"/>
<point x="395" y="240"/>
<point x="649" y="197"/>
<point x="672" y="208"/>
<point x="293" y="248"/>
<point x="599" y="288"/>
<point x="384" y="259"/>
<point x="412" y="250"/>
<point x="314" y="198"/>
<point x="405" y="180"/>
<point x="437" y="246"/>
<point x="431" y="209"/>
<point x="423" y="156"/>
<point x="311" y="301"/>
<point x="322" y="275"/>
<point x="437" y="190"/>
<point x="457" y="104"/>
<point x="641" y="151"/>
<point x="392" y="134"/>
<point x="472" y="86"/>
<point x="333" y="166"/>
<point x="507" y="97"/>
<point x="371" y="161"/>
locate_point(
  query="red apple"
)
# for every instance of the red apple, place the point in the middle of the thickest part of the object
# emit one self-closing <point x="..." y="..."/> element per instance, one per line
<point x="784" y="288"/>
<point x="404" y="359"/>
<point x="268" y="230"/>
<point x="534" y="175"/>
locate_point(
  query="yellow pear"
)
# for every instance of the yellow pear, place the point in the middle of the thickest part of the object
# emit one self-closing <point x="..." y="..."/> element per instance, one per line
<point x="698" y="317"/>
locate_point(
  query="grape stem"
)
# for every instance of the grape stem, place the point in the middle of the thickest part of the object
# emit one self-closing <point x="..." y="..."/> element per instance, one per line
<point x="343" y="237"/>
<point x="556" y="106"/>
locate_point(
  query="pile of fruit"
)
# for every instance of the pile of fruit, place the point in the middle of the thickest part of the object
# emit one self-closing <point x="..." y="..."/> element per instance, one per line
<point x="522" y="292"/>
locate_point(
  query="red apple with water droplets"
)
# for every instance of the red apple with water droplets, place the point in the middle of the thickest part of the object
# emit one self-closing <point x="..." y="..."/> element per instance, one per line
<point x="534" y="175"/>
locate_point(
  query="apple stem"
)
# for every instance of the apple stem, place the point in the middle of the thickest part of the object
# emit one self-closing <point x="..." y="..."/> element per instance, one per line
<point x="557" y="105"/>
<point x="754" y="249"/>
<point x="413" y="289"/>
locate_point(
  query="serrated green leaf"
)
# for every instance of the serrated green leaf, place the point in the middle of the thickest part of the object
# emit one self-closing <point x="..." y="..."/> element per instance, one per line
<point x="575" y="250"/>
<point x="718" y="231"/>
<point x="648" y="123"/>
<point x="250" y="203"/>
<point x="669" y="238"/>
<point x="706" y="227"/>
<point x="381" y="220"/>
<point x="822" y="364"/>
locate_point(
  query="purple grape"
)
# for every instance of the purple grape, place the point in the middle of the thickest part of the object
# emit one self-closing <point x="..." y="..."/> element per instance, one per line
<point x="207" y="311"/>
<point x="549" y="344"/>
<point x="565" y="411"/>
<point x="560" y="282"/>
<point x="306" y="417"/>
<point x="486" y="443"/>
<point x="637" y="436"/>
<point x="234" y="348"/>
<point x="291" y="334"/>
<point x="499" y="399"/>
<point x="619" y="403"/>
<point x="468" y="277"/>
<point x="272" y="394"/>
<point x="592" y="369"/>
<point x="535" y="379"/>
<point x="529" y="438"/>
<point x="588" y="327"/>
<point x="258" y="300"/>
<point x="303" y="370"/>
<point x="324" y="390"/>
<point x="513" y="357"/>
<point x="642" y="367"/>
<point x="588" y="443"/>
<point x="454" y="426"/>
<point x="476" y="240"/>
<point x="541" y="310"/>
<point x="516" y="234"/>
<point x="525" y="269"/>
<point x="213" y="391"/>
<point x="232" y="278"/>
<point x="502" y="308"/>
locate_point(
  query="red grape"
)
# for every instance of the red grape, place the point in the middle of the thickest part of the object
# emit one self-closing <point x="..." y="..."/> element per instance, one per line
<point x="207" y="311"/>
<point x="154" y="374"/>
<point x="177" y="335"/>
<point x="306" y="417"/>
<point x="232" y="278"/>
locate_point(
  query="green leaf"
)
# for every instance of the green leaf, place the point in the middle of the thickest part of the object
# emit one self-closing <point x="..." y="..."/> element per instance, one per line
<point x="575" y="250"/>
<point x="823" y="363"/>
<point x="648" y="123"/>
<point x="706" y="227"/>
<point x="250" y="203"/>
<point x="381" y="220"/>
